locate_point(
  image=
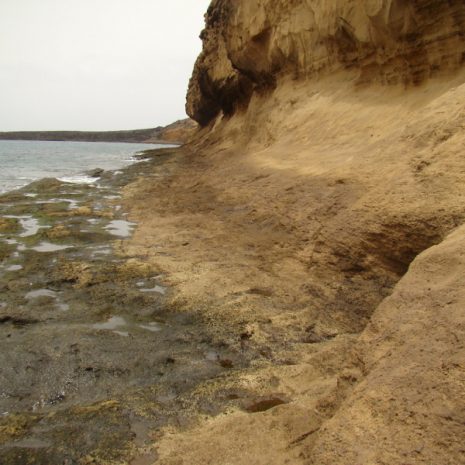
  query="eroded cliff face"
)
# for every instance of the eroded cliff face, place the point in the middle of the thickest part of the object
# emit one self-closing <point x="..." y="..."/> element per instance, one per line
<point x="250" y="45"/>
<point x="322" y="205"/>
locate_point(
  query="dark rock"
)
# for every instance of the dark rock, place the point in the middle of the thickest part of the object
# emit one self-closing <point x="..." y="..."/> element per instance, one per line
<point x="226" y="363"/>
<point x="95" y="173"/>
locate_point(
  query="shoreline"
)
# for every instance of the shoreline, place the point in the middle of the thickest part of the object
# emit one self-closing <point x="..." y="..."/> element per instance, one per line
<point x="91" y="334"/>
<point x="156" y="142"/>
<point x="72" y="174"/>
<point x="275" y="296"/>
<point x="180" y="130"/>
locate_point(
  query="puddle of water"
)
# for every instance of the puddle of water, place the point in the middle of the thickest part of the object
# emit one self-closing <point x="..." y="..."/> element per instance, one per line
<point x="14" y="268"/>
<point x="21" y="248"/>
<point x="154" y="327"/>
<point x="113" y="323"/>
<point x="11" y="241"/>
<point x="31" y="443"/>
<point x="30" y="195"/>
<point x="102" y="250"/>
<point x="28" y="223"/>
<point x="122" y="333"/>
<point x="63" y="307"/>
<point x="41" y="293"/>
<point x="93" y="220"/>
<point x="73" y="204"/>
<point x="120" y="228"/>
<point x="49" y="247"/>
<point x="158" y="289"/>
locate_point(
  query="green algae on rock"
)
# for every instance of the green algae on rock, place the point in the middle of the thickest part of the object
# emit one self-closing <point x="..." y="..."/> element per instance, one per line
<point x="94" y="354"/>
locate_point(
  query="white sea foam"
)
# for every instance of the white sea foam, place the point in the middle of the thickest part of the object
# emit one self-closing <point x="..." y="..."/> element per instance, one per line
<point x="112" y="323"/>
<point x="25" y="161"/>
<point x="120" y="228"/>
<point x="29" y="224"/>
<point x="49" y="247"/>
<point x="153" y="327"/>
<point x="80" y="179"/>
<point x="14" y="268"/>
<point x="41" y="293"/>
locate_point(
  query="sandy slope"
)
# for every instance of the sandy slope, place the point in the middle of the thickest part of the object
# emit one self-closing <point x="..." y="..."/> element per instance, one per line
<point x="288" y="228"/>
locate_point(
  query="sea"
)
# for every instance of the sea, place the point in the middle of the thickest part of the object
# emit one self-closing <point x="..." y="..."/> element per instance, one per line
<point x="22" y="162"/>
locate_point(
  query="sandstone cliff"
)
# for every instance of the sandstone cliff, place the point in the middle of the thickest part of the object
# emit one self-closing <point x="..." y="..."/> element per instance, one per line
<point x="249" y="46"/>
<point x="320" y="214"/>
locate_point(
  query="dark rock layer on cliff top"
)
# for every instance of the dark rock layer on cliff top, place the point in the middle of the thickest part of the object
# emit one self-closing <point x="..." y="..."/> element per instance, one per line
<point x="249" y="45"/>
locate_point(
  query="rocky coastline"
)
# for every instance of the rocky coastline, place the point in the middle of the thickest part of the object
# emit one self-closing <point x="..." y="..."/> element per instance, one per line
<point x="96" y="355"/>
<point x="292" y="290"/>
<point x="177" y="133"/>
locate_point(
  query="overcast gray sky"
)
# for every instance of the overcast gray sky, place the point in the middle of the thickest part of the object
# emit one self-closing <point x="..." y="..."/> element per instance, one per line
<point x="96" y="64"/>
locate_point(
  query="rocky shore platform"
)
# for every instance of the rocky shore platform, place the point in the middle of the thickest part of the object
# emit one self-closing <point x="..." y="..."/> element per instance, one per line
<point x="96" y="353"/>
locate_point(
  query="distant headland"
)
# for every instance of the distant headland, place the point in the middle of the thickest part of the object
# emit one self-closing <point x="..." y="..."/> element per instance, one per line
<point x="177" y="132"/>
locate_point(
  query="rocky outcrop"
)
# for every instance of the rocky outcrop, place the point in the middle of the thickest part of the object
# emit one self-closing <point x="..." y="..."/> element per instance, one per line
<point x="248" y="46"/>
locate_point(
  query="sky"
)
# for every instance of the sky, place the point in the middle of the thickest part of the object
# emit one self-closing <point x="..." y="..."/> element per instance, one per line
<point x="96" y="64"/>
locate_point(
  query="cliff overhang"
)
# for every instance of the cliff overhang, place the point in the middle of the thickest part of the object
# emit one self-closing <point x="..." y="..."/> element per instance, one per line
<point x="248" y="47"/>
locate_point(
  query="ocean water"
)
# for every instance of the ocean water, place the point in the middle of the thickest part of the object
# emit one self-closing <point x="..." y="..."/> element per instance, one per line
<point x="22" y="162"/>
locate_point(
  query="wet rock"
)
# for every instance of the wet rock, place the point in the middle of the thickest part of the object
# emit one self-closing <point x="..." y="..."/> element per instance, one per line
<point x="9" y="225"/>
<point x="5" y="250"/>
<point x="81" y="211"/>
<point x="46" y="185"/>
<point x="16" y="321"/>
<point x="58" y="232"/>
<point x="66" y="363"/>
<point x="95" y="173"/>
